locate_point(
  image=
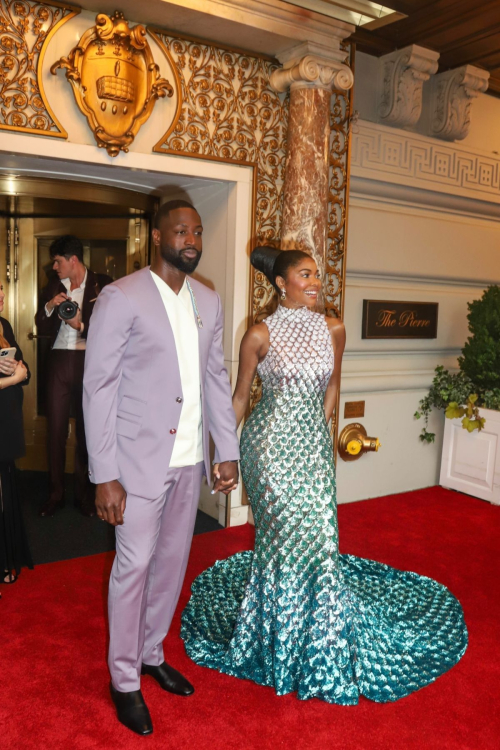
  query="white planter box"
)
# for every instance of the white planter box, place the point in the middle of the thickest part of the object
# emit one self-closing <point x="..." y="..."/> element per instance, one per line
<point x="470" y="461"/>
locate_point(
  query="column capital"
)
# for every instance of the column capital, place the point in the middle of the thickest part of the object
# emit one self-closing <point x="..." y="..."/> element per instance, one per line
<point x="402" y="76"/>
<point x="452" y="95"/>
<point x="310" y="65"/>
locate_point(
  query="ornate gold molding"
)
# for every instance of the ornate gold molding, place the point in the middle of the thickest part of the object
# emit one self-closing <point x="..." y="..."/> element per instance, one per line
<point x="26" y="28"/>
<point x="338" y="199"/>
<point x="229" y="112"/>
<point x="115" y="80"/>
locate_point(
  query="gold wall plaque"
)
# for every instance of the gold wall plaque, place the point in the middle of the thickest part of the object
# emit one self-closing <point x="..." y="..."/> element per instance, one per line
<point x="115" y="80"/>
<point x="354" y="409"/>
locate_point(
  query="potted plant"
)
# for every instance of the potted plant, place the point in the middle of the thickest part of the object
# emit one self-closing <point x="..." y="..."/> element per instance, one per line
<point x="471" y="400"/>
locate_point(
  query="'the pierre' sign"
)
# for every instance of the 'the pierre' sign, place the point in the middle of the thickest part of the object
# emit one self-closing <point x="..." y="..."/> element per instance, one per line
<point x="388" y="319"/>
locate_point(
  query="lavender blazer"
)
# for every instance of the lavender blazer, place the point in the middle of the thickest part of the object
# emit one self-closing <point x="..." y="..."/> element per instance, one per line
<point x="132" y="390"/>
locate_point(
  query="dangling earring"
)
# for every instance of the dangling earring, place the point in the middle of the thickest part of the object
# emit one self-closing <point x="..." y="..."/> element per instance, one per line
<point x="283" y="294"/>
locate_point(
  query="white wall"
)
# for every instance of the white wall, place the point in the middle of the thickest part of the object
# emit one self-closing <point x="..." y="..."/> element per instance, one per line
<point x="228" y="274"/>
<point x="424" y="225"/>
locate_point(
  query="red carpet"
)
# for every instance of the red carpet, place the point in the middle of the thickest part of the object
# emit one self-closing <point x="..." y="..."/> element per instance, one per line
<point x="54" y="680"/>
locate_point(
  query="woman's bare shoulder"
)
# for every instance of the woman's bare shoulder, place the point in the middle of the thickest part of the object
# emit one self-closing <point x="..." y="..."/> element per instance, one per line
<point x="257" y="334"/>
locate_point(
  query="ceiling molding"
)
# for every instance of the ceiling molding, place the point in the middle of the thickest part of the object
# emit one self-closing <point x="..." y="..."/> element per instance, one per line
<point x="464" y="33"/>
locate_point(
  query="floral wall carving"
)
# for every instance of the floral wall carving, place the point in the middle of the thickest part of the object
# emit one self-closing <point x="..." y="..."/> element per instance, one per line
<point x="25" y="28"/>
<point x="340" y="141"/>
<point x="227" y="110"/>
<point x="230" y="112"/>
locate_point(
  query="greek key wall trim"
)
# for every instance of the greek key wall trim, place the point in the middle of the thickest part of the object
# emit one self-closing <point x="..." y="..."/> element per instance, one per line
<point x="389" y="155"/>
<point x="26" y="28"/>
<point x="229" y="112"/>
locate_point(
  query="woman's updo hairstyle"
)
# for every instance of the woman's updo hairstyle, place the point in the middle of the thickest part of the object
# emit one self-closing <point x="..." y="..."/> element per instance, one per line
<point x="273" y="262"/>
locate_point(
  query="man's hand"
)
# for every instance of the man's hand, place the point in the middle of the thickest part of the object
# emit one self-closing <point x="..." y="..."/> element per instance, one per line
<point x="225" y="477"/>
<point x="75" y="322"/>
<point x="56" y="301"/>
<point x="110" y="501"/>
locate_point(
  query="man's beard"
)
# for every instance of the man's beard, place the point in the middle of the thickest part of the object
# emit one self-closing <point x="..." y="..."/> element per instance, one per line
<point x="186" y="265"/>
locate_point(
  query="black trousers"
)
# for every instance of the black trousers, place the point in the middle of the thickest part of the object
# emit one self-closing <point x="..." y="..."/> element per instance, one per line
<point x="64" y="399"/>
<point x="14" y="548"/>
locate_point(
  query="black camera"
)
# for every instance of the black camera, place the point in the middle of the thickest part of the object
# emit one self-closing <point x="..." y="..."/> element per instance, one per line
<point x="68" y="309"/>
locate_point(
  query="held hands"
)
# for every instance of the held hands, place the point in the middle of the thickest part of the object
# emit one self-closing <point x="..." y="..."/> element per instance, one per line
<point x="225" y="477"/>
<point x="110" y="501"/>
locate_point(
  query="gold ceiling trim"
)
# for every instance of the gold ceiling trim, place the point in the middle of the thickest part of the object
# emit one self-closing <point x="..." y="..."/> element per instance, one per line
<point x="24" y="38"/>
<point x="71" y="190"/>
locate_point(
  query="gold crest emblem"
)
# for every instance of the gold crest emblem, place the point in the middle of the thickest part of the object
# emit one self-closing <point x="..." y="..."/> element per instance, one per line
<point x="115" y="80"/>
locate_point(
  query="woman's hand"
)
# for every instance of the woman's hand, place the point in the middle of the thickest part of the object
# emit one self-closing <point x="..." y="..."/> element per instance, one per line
<point x="21" y="372"/>
<point x="7" y="365"/>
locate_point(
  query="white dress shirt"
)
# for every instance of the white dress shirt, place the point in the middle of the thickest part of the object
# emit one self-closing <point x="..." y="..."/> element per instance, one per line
<point x="68" y="337"/>
<point x="188" y="445"/>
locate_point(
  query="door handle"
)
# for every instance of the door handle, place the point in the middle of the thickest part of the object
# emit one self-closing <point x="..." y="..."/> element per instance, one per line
<point x="32" y="336"/>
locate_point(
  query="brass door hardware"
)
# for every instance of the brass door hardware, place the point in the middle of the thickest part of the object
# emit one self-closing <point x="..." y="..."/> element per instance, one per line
<point x="353" y="442"/>
<point x="32" y="336"/>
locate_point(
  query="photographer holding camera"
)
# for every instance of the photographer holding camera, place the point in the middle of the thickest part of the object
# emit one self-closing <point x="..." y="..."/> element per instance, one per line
<point x="64" y="311"/>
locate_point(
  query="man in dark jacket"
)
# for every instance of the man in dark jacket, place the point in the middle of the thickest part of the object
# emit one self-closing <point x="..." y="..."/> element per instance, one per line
<point x="65" y="368"/>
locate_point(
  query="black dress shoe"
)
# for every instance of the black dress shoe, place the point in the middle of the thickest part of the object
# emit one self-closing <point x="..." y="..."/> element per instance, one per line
<point x="49" y="509"/>
<point x="169" y="679"/>
<point x="132" y="711"/>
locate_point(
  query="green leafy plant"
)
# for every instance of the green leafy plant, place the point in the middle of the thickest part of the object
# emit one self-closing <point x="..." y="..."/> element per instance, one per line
<point x="447" y="388"/>
<point x="477" y="383"/>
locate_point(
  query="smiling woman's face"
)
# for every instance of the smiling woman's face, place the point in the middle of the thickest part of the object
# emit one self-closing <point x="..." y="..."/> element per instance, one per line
<point x="302" y="284"/>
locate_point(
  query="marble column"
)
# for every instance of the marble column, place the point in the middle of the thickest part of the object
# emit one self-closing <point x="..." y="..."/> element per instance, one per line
<point x="311" y="73"/>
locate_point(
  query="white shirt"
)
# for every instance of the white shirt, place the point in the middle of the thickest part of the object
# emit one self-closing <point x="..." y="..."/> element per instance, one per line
<point x="188" y="445"/>
<point x="68" y="337"/>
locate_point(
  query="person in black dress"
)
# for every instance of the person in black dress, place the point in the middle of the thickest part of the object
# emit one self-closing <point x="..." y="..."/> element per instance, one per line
<point x="14" y="373"/>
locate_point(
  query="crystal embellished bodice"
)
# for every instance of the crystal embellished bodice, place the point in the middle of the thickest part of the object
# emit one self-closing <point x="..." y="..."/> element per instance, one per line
<point x="294" y="613"/>
<point x="300" y="355"/>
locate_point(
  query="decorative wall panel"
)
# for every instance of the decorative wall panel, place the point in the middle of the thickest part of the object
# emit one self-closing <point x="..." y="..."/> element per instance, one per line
<point x="340" y="139"/>
<point x="230" y="112"/>
<point x="25" y="30"/>
<point x="388" y="155"/>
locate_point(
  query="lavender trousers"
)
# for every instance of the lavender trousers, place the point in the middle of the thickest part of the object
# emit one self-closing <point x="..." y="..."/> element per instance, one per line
<point x="152" y="550"/>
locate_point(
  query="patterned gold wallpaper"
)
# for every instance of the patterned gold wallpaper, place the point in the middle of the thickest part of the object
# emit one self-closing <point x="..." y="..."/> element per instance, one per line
<point x="25" y="28"/>
<point x="227" y="111"/>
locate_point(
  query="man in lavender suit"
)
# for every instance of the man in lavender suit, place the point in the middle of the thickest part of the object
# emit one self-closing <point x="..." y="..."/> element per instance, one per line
<point x="155" y="386"/>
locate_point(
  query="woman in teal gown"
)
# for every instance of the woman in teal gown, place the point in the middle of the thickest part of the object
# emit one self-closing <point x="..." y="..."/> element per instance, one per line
<point x="294" y="614"/>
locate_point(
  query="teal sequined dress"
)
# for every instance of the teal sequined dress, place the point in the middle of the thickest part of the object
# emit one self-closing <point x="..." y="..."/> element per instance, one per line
<point x="294" y="614"/>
